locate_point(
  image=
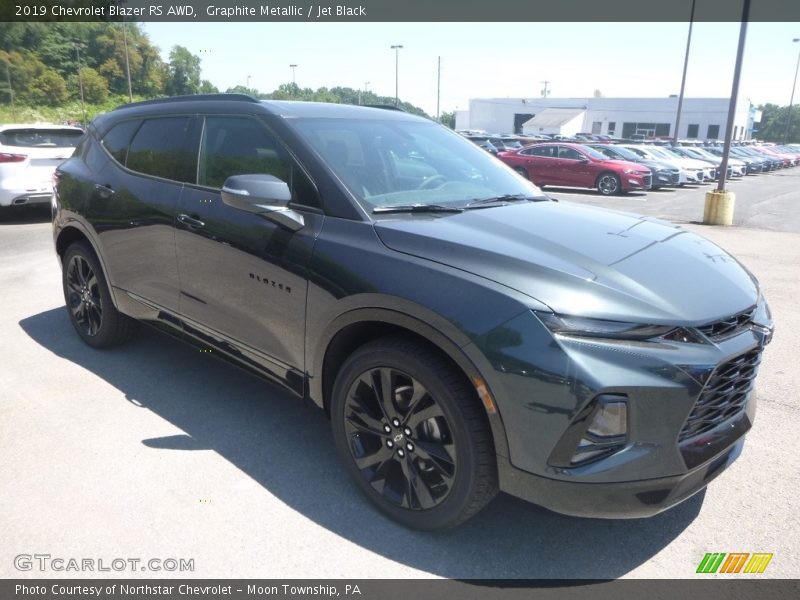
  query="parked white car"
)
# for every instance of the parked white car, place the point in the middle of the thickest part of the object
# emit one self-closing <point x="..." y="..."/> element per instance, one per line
<point x="687" y="175"/>
<point x="738" y="167"/>
<point x="709" y="170"/>
<point x="29" y="155"/>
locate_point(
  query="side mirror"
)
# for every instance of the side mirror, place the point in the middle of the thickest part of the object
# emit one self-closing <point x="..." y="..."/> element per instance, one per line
<point x="264" y="195"/>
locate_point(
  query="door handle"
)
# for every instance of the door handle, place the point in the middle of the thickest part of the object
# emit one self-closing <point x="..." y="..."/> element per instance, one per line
<point x="105" y="191"/>
<point x="190" y="222"/>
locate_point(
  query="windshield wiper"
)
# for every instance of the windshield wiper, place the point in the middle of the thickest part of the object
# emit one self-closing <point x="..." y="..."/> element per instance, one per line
<point x="507" y="198"/>
<point x="417" y="208"/>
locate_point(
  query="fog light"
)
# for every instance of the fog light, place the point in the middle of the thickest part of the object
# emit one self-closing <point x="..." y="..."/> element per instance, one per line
<point x="611" y="420"/>
<point x="606" y="433"/>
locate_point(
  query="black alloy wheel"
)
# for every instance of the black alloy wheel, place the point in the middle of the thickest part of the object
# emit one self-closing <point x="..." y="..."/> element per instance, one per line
<point x="413" y="433"/>
<point x="400" y="439"/>
<point x="83" y="296"/>
<point x="89" y="304"/>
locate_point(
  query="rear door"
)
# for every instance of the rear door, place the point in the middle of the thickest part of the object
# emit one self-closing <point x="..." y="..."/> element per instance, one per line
<point x="136" y="199"/>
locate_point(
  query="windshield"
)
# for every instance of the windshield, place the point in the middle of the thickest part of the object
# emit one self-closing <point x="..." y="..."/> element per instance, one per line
<point x="624" y="153"/>
<point x="594" y="153"/>
<point x="387" y="163"/>
<point x="664" y="153"/>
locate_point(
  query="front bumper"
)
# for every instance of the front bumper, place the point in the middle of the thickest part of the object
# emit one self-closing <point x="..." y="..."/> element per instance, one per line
<point x="626" y="500"/>
<point x="684" y="424"/>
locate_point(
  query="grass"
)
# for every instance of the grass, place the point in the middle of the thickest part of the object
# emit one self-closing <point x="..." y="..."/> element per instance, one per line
<point x="71" y="111"/>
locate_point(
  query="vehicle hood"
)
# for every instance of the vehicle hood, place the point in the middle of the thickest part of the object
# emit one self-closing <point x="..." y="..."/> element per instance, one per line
<point x="623" y="164"/>
<point x="656" y="165"/>
<point x="581" y="260"/>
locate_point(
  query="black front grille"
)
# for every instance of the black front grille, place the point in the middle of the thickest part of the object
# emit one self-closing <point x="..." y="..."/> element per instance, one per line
<point x="724" y="395"/>
<point x="648" y="180"/>
<point x="728" y="326"/>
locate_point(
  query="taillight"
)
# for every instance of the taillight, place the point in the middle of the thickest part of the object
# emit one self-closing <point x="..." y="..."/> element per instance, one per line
<point x="11" y="158"/>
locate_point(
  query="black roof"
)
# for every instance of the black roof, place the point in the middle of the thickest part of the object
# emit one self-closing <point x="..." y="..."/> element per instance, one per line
<point x="236" y="102"/>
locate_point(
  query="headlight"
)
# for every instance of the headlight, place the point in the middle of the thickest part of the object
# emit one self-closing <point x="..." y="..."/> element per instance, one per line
<point x="632" y="172"/>
<point x="618" y="330"/>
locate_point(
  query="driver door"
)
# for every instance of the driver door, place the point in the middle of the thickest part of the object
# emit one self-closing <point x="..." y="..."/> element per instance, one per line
<point x="243" y="277"/>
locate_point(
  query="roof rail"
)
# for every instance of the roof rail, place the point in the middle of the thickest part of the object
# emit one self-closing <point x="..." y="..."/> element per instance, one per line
<point x="201" y="97"/>
<point x="385" y="107"/>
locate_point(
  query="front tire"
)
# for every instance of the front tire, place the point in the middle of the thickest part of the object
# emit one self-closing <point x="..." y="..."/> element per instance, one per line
<point x="609" y="184"/>
<point x="413" y="434"/>
<point x="88" y="300"/>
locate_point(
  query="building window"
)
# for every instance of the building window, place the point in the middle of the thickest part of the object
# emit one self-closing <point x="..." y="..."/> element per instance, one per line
<point x="612" y="126"/>
<point x="713" y="132"/>
<point x="662" y="129"/>
<point x="692" y="131"/>
<point x="597" y="127"/>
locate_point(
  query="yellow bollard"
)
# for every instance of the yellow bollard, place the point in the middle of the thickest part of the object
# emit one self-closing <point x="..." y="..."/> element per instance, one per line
<point x="719" y="208"/>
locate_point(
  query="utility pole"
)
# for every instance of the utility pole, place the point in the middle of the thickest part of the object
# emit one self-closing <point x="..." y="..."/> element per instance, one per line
<point x="545" y="93"/>
<point x="683" y="79"/>
<point x="127" y="60"/>
<point x="396" y="48"/>
<point x="80" y="81"/>
<point x="10" y="90"/>
<point x="791" y="99"/>
<point x="438" y="88"/>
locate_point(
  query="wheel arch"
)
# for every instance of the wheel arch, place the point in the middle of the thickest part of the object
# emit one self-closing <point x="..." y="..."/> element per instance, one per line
<point x="355" y="328"/>
<point x="74" y="232"/>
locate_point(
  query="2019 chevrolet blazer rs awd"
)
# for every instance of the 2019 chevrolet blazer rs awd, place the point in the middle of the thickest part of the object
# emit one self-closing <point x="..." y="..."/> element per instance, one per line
<point x="464" y="332"/>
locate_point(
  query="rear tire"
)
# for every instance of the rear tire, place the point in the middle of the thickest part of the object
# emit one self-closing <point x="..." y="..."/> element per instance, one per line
<point x="89" y="304"/>
<point x="522" y="172"/>
<point x="413" y="434"/>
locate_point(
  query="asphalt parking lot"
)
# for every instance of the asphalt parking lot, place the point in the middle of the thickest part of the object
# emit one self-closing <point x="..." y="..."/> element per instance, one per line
<point x="154" y="450"/>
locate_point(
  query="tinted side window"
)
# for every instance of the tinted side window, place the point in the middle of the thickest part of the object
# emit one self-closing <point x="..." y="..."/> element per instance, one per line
<point x="240" y="145"/>
<point x="571" y="153"/>
<point x="162" y="147"/>
<point x="118" y="138"/>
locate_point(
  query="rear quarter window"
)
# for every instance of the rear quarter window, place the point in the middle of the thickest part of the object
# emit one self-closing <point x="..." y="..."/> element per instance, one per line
<point x="165" y="147"/>
<point x="117" y="139"/>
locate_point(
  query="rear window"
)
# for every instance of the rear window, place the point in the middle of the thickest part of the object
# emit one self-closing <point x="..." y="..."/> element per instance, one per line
<point x="41" y="138"/>
<point x="117" y="139"/>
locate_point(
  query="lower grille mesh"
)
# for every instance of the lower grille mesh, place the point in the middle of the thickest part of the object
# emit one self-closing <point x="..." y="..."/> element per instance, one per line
<point x="724" y="395"/>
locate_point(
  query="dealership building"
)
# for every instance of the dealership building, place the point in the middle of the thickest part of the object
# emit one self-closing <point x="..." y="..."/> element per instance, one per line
<point x="701" y="118"/>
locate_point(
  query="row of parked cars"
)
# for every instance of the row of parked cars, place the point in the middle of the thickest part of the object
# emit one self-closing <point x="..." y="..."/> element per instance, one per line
<point x="616" y="166"/>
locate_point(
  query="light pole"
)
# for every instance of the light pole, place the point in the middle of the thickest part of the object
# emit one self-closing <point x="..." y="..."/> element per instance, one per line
<point x="248" y="82"/>
<point x="396" y="48"/>
<point x="683" y="79"/>
<point x="293" y="67"/>
<point x="791" y="99"/>
<point x="545" y="92"/>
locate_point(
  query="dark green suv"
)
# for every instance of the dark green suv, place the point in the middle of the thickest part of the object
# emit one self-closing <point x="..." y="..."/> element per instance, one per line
<point x="464" y="332"/>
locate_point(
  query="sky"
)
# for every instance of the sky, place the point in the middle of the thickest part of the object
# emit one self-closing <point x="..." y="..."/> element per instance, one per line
<point x="493" y="60"/>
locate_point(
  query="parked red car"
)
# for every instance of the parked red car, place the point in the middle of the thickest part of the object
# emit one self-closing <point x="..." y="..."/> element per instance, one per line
<point x="576" y="165"/>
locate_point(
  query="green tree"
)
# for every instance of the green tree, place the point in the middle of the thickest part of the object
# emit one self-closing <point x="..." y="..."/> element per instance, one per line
<point x="48" y="88"/>
<point x="206" y="87"/>
<point x="95" y="86"/>
<point x="774" y="118"/>
<point x="184" y="72"/>
<point x="448" y="119"/>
